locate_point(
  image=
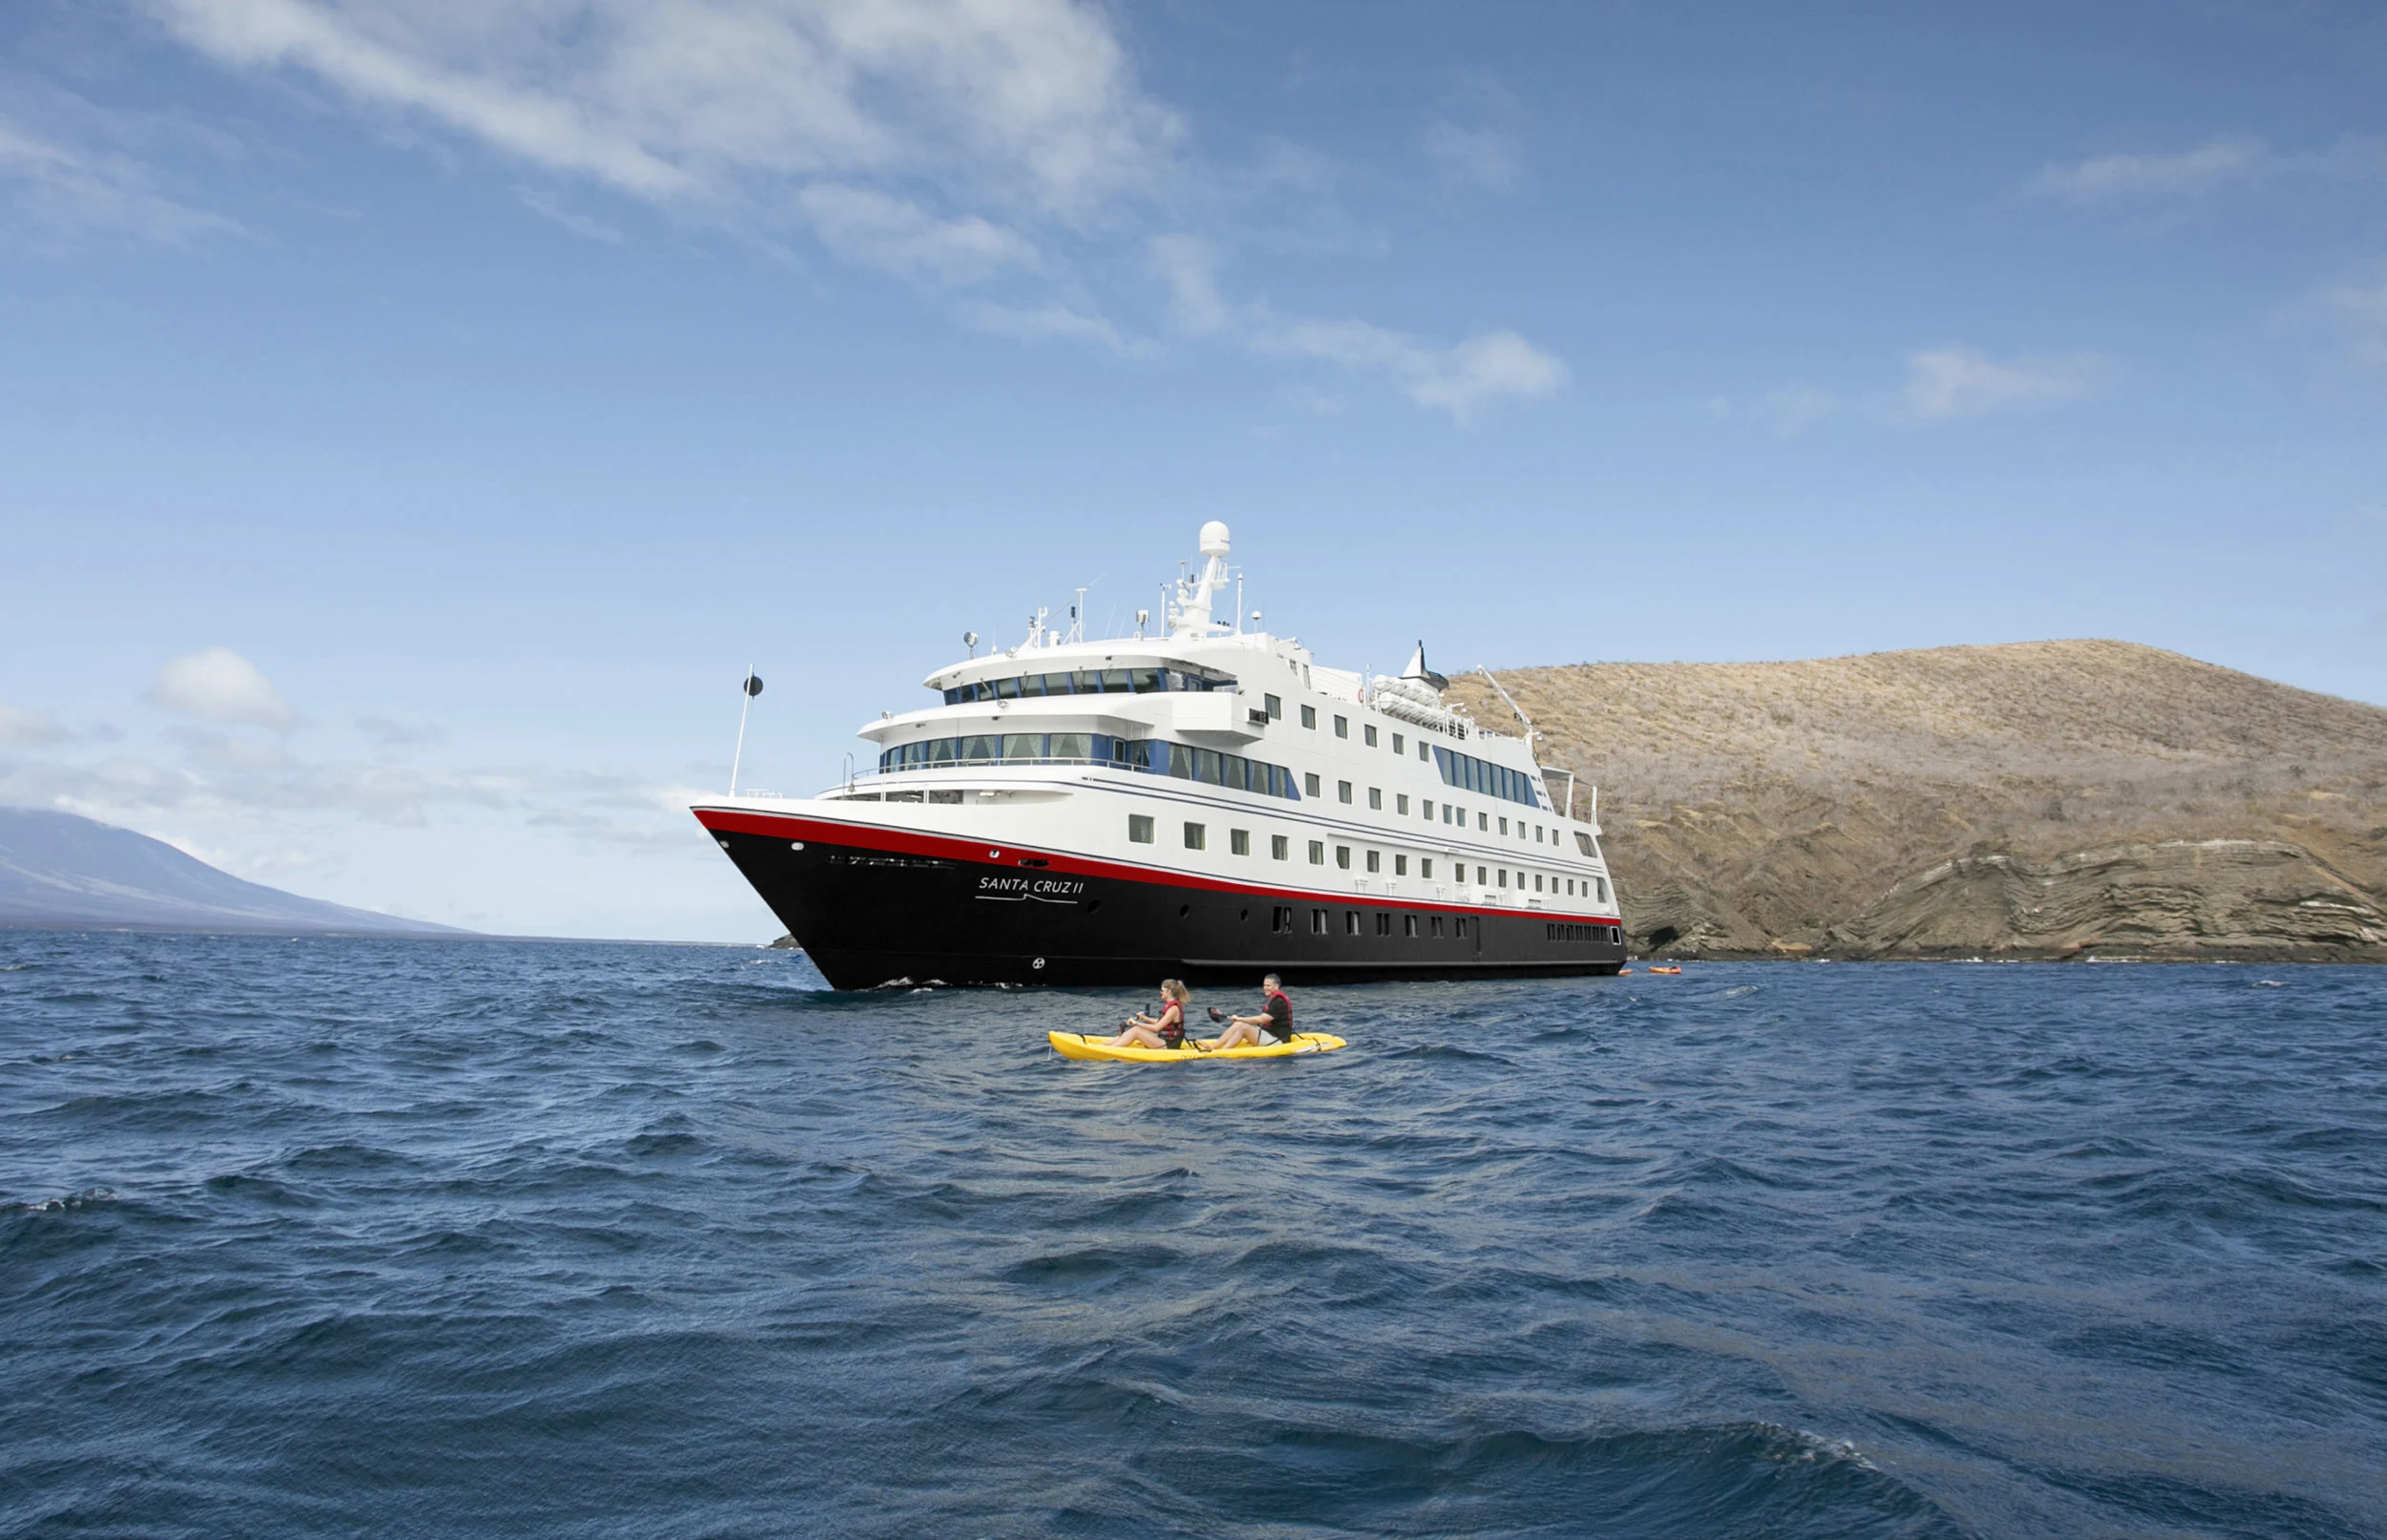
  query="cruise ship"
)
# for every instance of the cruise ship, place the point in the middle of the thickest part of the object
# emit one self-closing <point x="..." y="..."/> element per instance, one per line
<point x="1207" y="802"/>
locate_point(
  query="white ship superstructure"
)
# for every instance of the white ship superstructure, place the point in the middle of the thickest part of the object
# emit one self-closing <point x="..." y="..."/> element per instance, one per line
<point x="1207" y="801"/>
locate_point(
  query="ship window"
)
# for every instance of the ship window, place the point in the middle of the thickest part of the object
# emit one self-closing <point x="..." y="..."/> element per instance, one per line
<point x="1072" y="747"/>
<point x="1446" y="812"/>
<point x="1376" y="798"/>
<point x="1343" y="726"/>
<point x="1350" y="922"/>
<point x="1342" y="792"/>
<point x="903" y="796"/>
<point x="1601" y="884"/>
<point x="1317" y="923"/>
<point x="1196" y="837"/>
<point x="1238" y="842"/>
<point x="1309" y="716"/>
<point x="1369" y="733"/>
<point x="1007" y="689"/>
<point x="1583" y="843"/>
<point x="1504" y="826"/>
<point x="946" y="797"/>
<point x="1144" y="681"/>
<point x="1383" y="923"/>
<point x="1422" y="746"/>
<point x="1139" y="828"/>
<point x="1019" y="746"/>
<point x="1408" y="925"/>
<point x="1537" y="882"/>
<point x="1181" y="762"/>
<point x="1309" y="784"/>
<point x="1275" y="707"/>
<point x="1398" y="746"/>
<point x="1400" y="804"/>
<point x="1438" y="927"/>
<point x="1425" y="805"/>
<point x="1426" y="867"/>
<point x="1502" y="874"/>
<point x="1116" y="682"/>
<point x="1318" y="853"/>
<point x="1570" y="887"/>
<point x="980" y="748"/>
<point x="1483" y="823"/>
<point x="1279" y="848"/>
<point x="1400" y="866"/>
<point x="1343" y="856"/>
<point x="1281" y="919"/>
<point x="1375" y="860"/>
<point x="1482" y="880"/>
<point x="1537" y="834"/>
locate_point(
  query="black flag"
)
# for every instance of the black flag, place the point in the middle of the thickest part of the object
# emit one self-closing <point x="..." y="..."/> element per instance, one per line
<point x="753" y="685"/>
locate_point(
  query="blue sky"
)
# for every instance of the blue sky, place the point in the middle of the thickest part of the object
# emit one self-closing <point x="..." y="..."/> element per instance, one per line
<point x="415" y="417"/>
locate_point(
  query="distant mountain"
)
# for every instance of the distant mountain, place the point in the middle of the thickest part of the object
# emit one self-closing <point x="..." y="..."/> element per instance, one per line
<point x="64" y="871"/>
<point x="2044" y="799"/>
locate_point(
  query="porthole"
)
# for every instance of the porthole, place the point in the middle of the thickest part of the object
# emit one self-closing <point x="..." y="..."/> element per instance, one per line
<point x="1184" y="910"/>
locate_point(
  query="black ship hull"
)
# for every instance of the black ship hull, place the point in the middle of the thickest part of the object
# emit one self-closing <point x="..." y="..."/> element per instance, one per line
<point x="872" y="906"/>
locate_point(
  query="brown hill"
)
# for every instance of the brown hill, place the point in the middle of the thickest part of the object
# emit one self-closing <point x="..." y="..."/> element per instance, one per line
<point x="2047" y="798"/>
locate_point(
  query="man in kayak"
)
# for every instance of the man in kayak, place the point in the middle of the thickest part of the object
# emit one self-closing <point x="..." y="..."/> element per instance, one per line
<point x="1276" y="1019"/>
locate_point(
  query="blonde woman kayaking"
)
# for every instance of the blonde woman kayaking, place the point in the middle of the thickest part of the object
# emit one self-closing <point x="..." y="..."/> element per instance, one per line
<point x="1164" y="1030"/>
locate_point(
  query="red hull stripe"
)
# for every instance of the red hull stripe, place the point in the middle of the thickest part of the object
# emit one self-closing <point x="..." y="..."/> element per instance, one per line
<point x="906" y="842"/>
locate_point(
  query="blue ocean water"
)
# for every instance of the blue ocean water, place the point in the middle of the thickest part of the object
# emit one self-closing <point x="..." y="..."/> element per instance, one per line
<point x="480" y="1238"/>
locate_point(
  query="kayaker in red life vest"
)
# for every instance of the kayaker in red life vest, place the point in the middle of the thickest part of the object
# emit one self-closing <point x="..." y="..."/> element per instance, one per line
<point x="1276" y="1019"/>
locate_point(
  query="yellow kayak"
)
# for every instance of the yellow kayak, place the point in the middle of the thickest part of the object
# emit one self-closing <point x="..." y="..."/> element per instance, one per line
<point x="1095" y="1045"/>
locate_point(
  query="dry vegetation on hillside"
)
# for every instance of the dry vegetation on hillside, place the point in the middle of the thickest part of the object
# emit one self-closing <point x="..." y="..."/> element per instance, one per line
<point x="2128" y="801"/>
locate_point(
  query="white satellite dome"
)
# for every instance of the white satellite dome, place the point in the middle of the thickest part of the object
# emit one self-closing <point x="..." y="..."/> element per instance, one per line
<point x="1214" y="538"/>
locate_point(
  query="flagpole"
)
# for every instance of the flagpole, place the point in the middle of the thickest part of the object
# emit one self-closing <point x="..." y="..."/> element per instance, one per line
<point x="746" y="699"/>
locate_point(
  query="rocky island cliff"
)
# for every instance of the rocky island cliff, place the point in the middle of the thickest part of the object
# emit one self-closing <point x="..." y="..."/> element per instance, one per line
<point x="2045" y="799"/>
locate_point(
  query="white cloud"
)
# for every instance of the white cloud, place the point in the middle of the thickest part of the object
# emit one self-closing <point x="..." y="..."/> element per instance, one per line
<point x="1947" y="383"/>
<point x="392" y="733"/>
<point x="1481" y="157"/>
<point x="28" y="728"/>
<point x="545" y="205"/>
<point x="217" y="685"/>
<point x="899" y="237"/>
<point x="1460" y="379"/>
<point x="2209" y="166"/>
<point x="1051" y="323"/>
<point x="2230" y="160"/>
<point x="1005" y="148"/>
<point x="55" y="194"/>
<point x="1794" y="408"/>
<point x="2358" y="307"/>
<point x="685" y="102"/>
